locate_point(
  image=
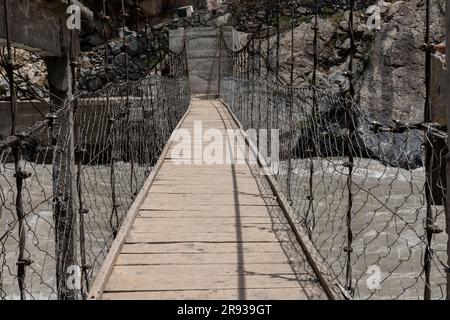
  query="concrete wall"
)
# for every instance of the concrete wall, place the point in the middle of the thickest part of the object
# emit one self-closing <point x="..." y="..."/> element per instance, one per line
<point x="27" y="115"/>
<point x="36" y="26"/>
<point x="157" y="7"/>
<point x="203" y="50"/>
<point x="203" y="58"/>
<point x="438" y="92"/>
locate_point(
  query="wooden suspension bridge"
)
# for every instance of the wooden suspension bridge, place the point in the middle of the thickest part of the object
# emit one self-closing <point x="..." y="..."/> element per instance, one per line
<point x="197" y="230"/>
<point x="200" y="231"/>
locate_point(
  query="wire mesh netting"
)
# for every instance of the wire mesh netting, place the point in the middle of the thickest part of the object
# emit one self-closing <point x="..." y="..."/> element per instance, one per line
<point x="386" y="232"/>
<point x="63" y="204"/>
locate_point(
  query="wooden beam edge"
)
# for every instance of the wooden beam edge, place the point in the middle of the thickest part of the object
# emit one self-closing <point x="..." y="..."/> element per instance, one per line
<point x="323" y="271"/>
<point x="99" y="285"/>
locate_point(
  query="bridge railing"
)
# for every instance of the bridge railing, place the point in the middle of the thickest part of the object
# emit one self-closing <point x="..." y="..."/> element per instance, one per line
<point x="360" y="193"/>
<point x="78" y="171"/>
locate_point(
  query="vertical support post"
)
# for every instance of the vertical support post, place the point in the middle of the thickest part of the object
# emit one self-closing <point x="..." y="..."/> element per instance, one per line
<point x="447" y="98"/>
<point x="428" y="157"/>
<point x="268" y="98"/>
<point x="22" y="262"/>
<point x="277" y="70"/>
<point x="127" y="101"/>
<point x="114" y="214"/>
<point x="105" y="19"/>
<point x="73" y="56"/>
<point x="259" y="83"/>
<point x="186" y="60"/>
<point x="77" y="155"/>
<point x="252" y="58"/>
<point x="124" y="40"/>
<point x="310" y="142"/>
<point x="61" y="82"/>
<point x="350" y="162"/>
<point x="112" y="178"/>
<point x="219" y="81"/>
<point x="81" y="212"/>
<point x="137" y="12"/>
<point x="291" y="106"/>
<point x="267" y="45"/>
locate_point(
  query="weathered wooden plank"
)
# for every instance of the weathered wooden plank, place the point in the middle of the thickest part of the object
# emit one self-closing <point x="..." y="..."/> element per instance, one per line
<point x="173" y="277"/>
<point x="289" y="293"/>
<point x="162" y="222"/>
<point x="234" y="209"/>
<point x="277" y="257"/>
<point x="207" y="212"/>
<point x="146" y="226"/>
<point x="163" y="187"/>
<point x="196" y="170"/>
<point x="206" y="167"/>
<point x="203" y="247"/>
<point x="205" y="179"/>
<point x="175" y="200"/>
<point x="241" y="236"/>
<point x="141" y="227"/>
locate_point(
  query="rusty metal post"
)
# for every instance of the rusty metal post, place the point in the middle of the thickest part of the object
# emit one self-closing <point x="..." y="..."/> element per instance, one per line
<point x="311" y="147"/>
<point x="61" y="78"/>
<point x="291" y="108"/>
<point x="350" y="163"/>
<point x="84" y="281"/>
<point x="22" y="261"/>
<point x="105" y="19"/>
<point x="428" y="156"/>
<point x="277" y="68"/>
<point x="60" y="86"/>
<point x="186" y="59"/>
<point x="127" y="101"/>
<point x="447" y="204"/>
<point x="219" y="80"/>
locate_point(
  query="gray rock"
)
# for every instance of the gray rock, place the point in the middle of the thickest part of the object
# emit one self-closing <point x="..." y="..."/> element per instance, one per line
<point x="94" y="40"/>
<point x="303" y="48"/>
<point x="94" y="84"/>
<point x="134" y="76"/>
<point x="393" y="85"/>
<point x="85" y="72"/>
<point x="120" y="59"/>
<point x="115" y="48"/>
<point x="344" y="24"/>
<point x="339" y="81"/>
<point x="346" y="44"/>
<point x="132" y="46"/>
<point x="398" y="149"/>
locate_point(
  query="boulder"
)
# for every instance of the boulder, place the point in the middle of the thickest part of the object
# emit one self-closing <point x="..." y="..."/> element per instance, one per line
<point x="119" y="60"/>
<point x="94" y="84"/>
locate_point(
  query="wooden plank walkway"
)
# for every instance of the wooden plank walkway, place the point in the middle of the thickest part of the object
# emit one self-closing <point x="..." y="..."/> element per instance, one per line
<point x="205" y="232"/>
